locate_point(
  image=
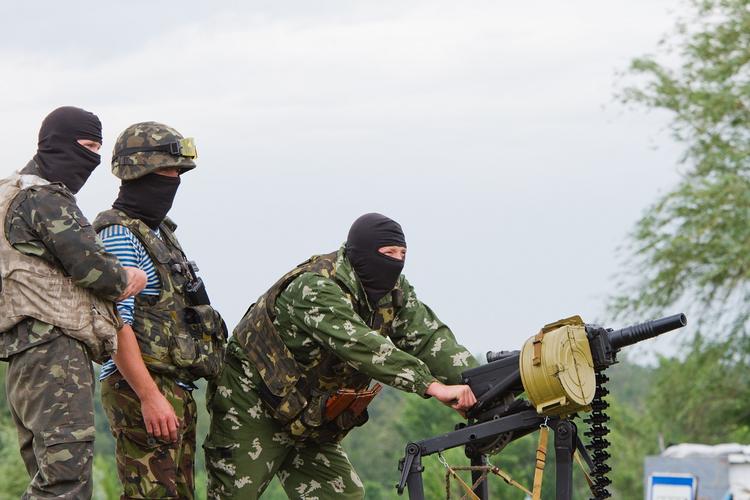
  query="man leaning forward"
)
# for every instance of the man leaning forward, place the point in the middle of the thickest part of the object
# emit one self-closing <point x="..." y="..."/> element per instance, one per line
<point x="300" y="363"/>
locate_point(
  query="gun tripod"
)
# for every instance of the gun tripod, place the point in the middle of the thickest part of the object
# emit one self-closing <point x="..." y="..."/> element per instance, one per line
<point x="521" y="423"/>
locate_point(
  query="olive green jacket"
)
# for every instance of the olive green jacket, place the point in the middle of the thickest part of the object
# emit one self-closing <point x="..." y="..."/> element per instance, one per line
<point x="411" y="348"/>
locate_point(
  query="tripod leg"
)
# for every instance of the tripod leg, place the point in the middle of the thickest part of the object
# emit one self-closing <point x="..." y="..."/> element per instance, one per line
<point x="411" y="472"/>
<point x="565" y="434"/>
<point x="414" y="482"/>
<point x="483" y="489"/>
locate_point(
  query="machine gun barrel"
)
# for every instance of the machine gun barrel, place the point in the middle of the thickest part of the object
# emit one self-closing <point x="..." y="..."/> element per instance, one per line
<point x="642" y="331"/>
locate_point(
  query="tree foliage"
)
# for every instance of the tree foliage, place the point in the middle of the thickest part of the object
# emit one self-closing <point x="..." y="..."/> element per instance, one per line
<point x="692" y="245"/>
<point x="396" y="419"/>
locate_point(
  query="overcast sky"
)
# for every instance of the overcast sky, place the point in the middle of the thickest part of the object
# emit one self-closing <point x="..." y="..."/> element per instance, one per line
<point x="488" y="129"/>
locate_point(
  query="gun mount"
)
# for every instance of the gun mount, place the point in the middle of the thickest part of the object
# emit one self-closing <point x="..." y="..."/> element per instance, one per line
<point x="561" y="371"/>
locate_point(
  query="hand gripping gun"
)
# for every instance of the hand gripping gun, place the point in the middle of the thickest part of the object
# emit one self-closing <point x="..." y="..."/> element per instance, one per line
<point x="561" y="371"/>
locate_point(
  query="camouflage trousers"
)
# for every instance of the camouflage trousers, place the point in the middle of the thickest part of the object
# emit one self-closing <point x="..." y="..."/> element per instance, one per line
<point x="50" y="390"/>
<point x="246" y="447"/>
<point x="149" y="467"/>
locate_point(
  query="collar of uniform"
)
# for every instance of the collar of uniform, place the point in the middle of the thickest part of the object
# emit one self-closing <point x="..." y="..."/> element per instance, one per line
<point x="138" y="222"/>
<point x="31" y="168"/>
<point x="346" y="276"/>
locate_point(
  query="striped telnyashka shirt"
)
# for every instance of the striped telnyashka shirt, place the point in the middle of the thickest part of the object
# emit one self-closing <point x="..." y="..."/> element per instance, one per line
<point x="118" y="240"/>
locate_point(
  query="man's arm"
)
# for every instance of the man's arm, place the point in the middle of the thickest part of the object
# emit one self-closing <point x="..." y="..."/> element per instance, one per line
<point x="321" y="307"/>
<point x="418" y="331"/>
<point x="158" y="414"/>
<point x="52" y="214"/>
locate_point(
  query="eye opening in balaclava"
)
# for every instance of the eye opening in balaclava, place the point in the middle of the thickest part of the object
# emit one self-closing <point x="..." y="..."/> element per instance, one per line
<point x="59" y="156"/>
<point x="377" y="272"/>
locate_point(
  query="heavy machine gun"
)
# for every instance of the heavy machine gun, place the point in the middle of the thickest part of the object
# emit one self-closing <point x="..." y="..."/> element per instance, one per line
<point x="561" y="371"/>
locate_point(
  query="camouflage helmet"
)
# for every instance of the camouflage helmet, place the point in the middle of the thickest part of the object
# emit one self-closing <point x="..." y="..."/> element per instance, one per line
<point x="145" y="147"/>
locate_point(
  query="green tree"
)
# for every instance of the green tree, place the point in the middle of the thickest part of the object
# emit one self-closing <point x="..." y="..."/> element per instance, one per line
<point x="692" y="245"/>
<point x="13" y="476"/>
<point x="709" y="406"/>
<point x="690" y="248"/>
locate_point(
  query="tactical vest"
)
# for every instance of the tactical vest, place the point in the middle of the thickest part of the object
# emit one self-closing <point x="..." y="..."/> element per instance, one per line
<point x="294" y="395"/>
<point x="31" y="287"/>
<point x="176" y="336"/>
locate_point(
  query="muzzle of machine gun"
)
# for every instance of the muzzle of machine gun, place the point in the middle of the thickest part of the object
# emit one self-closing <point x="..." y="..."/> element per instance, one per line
<point x="605" y="343"/>
<point x="556" y="368"/>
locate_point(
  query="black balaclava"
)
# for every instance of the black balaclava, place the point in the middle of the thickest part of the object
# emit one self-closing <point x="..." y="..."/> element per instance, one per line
<point x="377" y="272"/>
<point x="59" y="156"/>
<point x="147" y="198"/>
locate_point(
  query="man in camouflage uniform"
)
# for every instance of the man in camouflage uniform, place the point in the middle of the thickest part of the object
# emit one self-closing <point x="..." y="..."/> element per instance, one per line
<point x="53" y="268"/>
<point x="171" y="336"/>
<point x="299" y="366"/>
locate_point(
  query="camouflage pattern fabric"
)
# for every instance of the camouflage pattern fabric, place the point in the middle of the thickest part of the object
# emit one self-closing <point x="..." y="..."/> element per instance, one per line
<point x="176" y="338"/>
<point x="338" y="341"/>
<point x="45" y="222"/>
<point x="50" y="388"/>
<point x="34" y="288"/>
<point x="325" y="322"/>
<point x="26" y="334"/>
<point x="246" y="447"/>
<point x="49" y="380"/>
<point x="145" y="134"/>
<point x="403" y="345"/>
<point x="149" y="467"/>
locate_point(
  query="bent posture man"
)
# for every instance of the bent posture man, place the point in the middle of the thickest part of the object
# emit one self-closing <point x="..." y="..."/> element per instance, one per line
<point x="56" y="281"/>
<point x="172" y="336"/>
<point x="299" y="366"/>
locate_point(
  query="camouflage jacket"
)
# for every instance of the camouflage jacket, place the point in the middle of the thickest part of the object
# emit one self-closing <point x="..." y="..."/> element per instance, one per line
<point x="327" y="322"/>
<point x="45" y="222"/>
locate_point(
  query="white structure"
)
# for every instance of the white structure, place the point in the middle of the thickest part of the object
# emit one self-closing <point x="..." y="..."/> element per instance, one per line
<point x="722" y="469"/>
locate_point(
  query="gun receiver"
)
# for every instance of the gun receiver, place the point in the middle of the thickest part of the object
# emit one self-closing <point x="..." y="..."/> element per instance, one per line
<point x="502" y="375"/>
<point x="560" y="370"/>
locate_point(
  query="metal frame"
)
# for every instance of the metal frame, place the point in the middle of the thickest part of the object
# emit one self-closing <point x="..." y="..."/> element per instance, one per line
<point x="521" y="423"/>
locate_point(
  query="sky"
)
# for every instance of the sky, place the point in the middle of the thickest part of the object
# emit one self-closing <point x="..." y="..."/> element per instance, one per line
<point x="490" y="130"/>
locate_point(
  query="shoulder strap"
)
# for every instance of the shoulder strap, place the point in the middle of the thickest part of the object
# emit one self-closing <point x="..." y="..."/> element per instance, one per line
<point x="108" y="218"/>
<point x="167" y="231"/>
<point x="155" y="247"/>
<point x="321" y="264"/>
<point x="26" y="181"/>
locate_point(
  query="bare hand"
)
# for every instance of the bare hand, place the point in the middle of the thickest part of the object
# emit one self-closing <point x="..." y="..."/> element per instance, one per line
<point x="458" y="397"/>
<point x="159" y="417"/>
<point x="136" y="282"/>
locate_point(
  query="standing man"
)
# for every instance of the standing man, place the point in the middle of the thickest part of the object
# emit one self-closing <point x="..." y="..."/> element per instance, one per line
<point x="299" y="366"/>
<point x="57" y="285"/>
<point x="171" y="336"/>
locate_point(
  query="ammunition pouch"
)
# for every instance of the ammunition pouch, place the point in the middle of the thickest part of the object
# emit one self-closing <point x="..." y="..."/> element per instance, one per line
<point x="321" y="416"/>
<point x="201" y="346"/>
<point x="196" y="294"/>
<point x="349" y="401"/>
